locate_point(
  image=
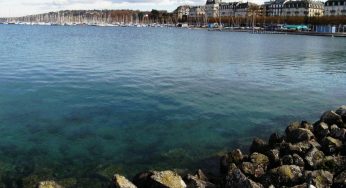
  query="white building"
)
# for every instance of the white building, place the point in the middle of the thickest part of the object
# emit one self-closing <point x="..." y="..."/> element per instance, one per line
<point x="306" y="8"/>
<point x="182" y="12"/>
<point x="228" y="9"/>
<point x="335" y="8"/>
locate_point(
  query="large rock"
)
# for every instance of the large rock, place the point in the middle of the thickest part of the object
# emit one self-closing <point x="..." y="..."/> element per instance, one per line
<point x="342" y="112"/>
<point x="330" y="117"/>
<point x="236" y="179"/>
<point x="48" y="184"/>
<point x="321" y="130"/>
<point x="259" y="159"/>
<point x="274" y="139"/>
<point x="199" y="180"/>
<point x="273" y="156"/>
<point x="159" y="179"/>
<point x="336" y="132"/>
<point x="259" y="145"/>
<point x="331" y="145"/>
<point x="166" y="179"/>
<point x="300" y="148"/>
<point x="306" y="125"/>
<point x="121" y="182"/>
<point x="236" y="156"/>
<point x="252" y="170"/>
<point x="299" y="135"/>
<point x="320" y="178"/>
<point x="286" y="175"/>
<point x="287" y="160"/>
<point x="340" y="180"/>
<point x="314" y="157"/>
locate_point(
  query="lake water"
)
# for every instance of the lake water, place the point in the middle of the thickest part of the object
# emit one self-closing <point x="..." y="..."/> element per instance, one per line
<point x="86" y="102"/>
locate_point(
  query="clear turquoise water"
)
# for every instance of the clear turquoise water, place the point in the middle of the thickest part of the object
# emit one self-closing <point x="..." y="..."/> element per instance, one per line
<point x="83" y="100"/>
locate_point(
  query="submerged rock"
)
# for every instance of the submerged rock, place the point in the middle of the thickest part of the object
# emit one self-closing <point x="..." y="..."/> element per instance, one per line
<point x="48" y="184"/>
<point x="199" y="180"/>
<point x="121" y="182"/>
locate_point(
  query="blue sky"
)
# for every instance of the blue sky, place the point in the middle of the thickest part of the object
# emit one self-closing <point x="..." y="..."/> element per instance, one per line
<point x="12" y="8"/>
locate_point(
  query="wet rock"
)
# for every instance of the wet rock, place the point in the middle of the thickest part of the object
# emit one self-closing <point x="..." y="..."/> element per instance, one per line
<point x="306" y="125"/>
<point x="196" y="182"/>
<point x="321" y="130"/>
<point x="48" y="184"/>
<point x="304" y="185"/>
<point x="331" y="145"/>
<point x="336" y="132"/>
<point x="291" y="127"/>
<point x="259" y="145"/>
<point x="274" y="139"/>
<point x="236" y="156"/>
<point x="340" y="180"/>
<point x="286" y="175"/>
<point x="297" y="160"/>
<point x="200" y="175"/>
<point x="165" y="179"/>
<point x="315" y="144"/>
<point x="121" y="182"/>
<point x="331" y="118"/>
<point x="252" y="170"/>
<point x="342" y="112"/>
<point x="299" y="135"/>
<point x="314" y="157"/>
<point x="320" y="178"/>
<point x="236" y="179"/>
<point x="143" y="179"/>
<point x="300" y="148"/>
<point x="273" y="156"/>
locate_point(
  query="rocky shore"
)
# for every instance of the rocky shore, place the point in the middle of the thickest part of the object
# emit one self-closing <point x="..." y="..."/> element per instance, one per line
<point x="306" y="155"/>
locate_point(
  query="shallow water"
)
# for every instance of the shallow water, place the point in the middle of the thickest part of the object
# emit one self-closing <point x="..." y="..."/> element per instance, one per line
<point x="75" y="101"/>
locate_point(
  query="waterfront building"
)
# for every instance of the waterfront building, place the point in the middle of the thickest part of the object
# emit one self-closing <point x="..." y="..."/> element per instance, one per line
<point x="182" y="12"/>
<point x="243" y="9"/>
<point x="212" y="8"/>
<point x="335" y="8"/>
<point x="306" y="8"/>
<point x="228" y="9"/>
<point x="197" y="15"/>
<point x="274" y="8"/>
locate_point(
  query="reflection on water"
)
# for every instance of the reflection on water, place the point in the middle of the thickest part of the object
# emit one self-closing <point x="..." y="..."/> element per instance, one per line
<point x="87" y="102"/>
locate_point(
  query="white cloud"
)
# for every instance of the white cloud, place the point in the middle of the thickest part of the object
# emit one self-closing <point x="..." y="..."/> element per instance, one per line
<point x="26" y="7"/>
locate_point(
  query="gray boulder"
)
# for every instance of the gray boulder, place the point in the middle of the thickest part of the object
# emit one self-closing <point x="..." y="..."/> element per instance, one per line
<point x="336" y="132"/>
<point x="321" y="130"/>
<point x="330" y="117"/>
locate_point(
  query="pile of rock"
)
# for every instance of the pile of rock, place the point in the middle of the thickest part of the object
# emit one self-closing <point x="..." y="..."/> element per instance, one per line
<point x="307" y="155"/>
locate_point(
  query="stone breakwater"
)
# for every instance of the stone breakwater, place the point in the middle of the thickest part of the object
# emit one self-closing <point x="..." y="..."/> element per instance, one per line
<point x="306" y="155"/>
